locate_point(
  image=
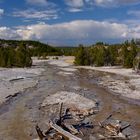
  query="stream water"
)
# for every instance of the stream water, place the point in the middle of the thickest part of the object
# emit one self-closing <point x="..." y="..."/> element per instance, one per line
<point x="19" y="115"/>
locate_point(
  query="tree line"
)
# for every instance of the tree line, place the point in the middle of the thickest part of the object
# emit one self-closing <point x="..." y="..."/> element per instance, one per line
<point x="102" y="54"/>
<point x="14" y="53"/>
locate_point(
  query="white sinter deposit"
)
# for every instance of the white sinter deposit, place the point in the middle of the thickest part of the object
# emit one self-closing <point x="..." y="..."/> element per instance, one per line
<point x="70" y="99"/>
<point x="126" y="84"/>
<point x="15" y="80"/>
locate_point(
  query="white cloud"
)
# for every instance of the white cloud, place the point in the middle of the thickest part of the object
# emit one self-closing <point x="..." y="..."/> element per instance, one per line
<point x="112" y="3"/>
<point x="134" y="18"/>
<point x="132" y="22"/>
<point x="40" y="2"/>
<point x="135" y="31"/>
<point x="75" y="3"/>
<point x="135" y="13"/>
<point x="104" y="2"/>
<point x="43" y="3"/>
<point x="75" y="10"/>
<point x="79" y="31"/>
<point x="7" y="33"/>
<point x="1" y="12"/>
<point x="80" y="5"/>
<point x="127" y="1"/>
<point x="34" y="14"/>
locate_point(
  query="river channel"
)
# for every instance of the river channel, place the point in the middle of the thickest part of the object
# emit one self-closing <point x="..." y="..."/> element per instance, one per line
<point x="20" y="114"/>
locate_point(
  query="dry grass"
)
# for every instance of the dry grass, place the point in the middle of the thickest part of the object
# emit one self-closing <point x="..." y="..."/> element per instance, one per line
<point x="70" y="60"/>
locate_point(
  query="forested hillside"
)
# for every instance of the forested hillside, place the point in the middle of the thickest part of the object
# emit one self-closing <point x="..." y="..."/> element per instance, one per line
<point x="15" y="53"/>
<point x="36" y="48"/>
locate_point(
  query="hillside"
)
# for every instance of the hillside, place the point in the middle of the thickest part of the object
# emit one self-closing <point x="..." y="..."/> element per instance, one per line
<point x="36" y="48"/>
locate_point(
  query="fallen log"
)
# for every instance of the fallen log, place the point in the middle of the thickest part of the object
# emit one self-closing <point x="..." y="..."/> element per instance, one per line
<point x="63" y="132"/>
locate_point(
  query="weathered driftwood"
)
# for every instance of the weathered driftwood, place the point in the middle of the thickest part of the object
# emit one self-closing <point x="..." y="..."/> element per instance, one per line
<point x="60" y="113"/>
<point x="62" y="129"/>
<point x="40" y="133"/>
<point x="71" y="129"/>
<point x="115" y="130"/>
<point x="63" y="132"/>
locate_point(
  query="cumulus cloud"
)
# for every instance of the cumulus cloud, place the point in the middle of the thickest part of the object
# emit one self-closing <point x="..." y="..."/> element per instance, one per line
<point x="34" y="14"/>
<point x="1" y="12"/>
<point x="135" y="31"/>
<point x="79" y="31"/>
<point x="8" y="33"/>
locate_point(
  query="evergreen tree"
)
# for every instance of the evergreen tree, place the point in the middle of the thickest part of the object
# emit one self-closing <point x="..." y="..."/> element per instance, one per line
<point x="11" y="57"/>
<point x="23" y="58"/>
<point x="2" y="58"/>
<point x="79" y="58"/>
<point x="113" y="53"/>
<point x="100" y="56"/>
<point x="129" y="54"/>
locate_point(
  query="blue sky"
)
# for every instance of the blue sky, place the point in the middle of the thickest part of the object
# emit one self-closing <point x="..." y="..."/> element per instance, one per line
<point x="70" y="22"/>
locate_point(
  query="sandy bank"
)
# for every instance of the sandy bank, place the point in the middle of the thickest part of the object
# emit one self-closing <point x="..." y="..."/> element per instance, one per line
<point x="63" y="61"/>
